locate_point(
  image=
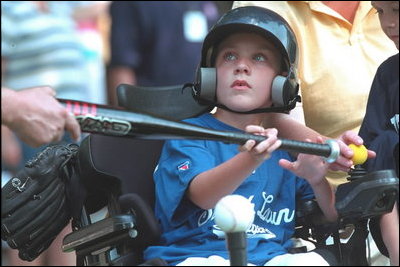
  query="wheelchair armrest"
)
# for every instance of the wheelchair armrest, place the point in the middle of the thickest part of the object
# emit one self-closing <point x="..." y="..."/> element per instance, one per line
<point x="135" y="230"/>
<point x="371" y="195"/>
<point x="368" y="196"/>
<point x="104" y="233"/>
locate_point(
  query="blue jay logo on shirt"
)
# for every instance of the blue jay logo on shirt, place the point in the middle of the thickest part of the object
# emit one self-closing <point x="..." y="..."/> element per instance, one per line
<point x="184" y="166"/>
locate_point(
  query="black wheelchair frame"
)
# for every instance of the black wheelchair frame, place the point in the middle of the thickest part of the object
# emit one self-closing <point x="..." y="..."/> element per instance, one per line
<point x="117" y="173"/>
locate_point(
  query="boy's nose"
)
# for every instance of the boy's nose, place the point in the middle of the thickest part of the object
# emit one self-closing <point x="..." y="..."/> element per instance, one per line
<point x="242" y="67"/>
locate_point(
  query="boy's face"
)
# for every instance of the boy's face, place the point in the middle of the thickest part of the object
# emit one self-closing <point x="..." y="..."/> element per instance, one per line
<point x="389" y="17"/>
<point x="246" y="65"/>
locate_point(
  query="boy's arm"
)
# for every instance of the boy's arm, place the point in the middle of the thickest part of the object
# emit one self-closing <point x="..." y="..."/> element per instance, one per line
<point x="325" y="198"/>
<point x="389" y="225"/>
<point x="207" y="188"/>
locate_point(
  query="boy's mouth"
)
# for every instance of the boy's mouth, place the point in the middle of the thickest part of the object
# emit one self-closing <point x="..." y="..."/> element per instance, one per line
<point x="240" y="84"/>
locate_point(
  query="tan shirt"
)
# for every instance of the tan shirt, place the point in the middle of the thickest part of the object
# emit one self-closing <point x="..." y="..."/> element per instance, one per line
<point x="337" y="61"/>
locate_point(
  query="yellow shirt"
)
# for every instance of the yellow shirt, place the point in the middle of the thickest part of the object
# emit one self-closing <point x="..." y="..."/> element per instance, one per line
<point x="337" y="60"/>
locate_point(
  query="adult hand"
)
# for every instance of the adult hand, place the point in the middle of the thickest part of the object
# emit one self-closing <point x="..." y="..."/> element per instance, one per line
<point x="344" y="162"/>
<point x="36" y="116"/>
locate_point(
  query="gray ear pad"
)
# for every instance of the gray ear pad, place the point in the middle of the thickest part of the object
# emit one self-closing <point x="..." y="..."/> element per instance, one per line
<point x="284" y="90"/>
<point x="278" y="84"/>
<point x="206" y="84"/>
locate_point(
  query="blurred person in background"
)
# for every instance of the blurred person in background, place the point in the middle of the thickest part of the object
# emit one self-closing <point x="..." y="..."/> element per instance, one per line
<point x="380" y="129"/>
<point x="157" y="43"/>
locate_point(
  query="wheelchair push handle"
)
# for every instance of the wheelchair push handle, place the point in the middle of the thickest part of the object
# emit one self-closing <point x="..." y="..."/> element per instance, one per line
<point x="107" y="120"/>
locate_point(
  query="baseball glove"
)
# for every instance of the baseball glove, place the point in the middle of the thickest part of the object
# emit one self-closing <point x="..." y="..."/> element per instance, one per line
<point x="34" y="206"/>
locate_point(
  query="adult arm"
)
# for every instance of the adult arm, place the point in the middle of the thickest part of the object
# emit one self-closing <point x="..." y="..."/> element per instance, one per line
<point x="389" y="224"/>
<point x="116" y="76"/>
<point x="124" y="46"/>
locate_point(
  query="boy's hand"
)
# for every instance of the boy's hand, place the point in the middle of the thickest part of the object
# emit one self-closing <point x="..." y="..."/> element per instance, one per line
<point x="262" y="150"/>
<point x="344" y="162"/>
<point x="310" y="167"/>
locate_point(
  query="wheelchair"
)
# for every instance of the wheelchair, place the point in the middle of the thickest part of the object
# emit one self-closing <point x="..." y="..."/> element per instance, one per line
<point x="117" y="174"/>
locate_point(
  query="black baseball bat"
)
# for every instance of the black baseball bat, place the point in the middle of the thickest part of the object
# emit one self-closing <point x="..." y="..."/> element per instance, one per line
<point x="107" y="120"/>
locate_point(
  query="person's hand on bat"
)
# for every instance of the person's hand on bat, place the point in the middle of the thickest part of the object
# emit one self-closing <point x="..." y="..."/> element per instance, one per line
<point x="36" y="116"/>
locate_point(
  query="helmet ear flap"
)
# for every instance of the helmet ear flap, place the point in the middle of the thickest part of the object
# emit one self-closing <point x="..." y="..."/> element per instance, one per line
<point x="206" y="84"/>
<point x="284" y="90"/>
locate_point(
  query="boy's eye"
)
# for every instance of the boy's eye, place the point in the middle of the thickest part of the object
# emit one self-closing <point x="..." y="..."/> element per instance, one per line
<point x="260" y="58"/>
<point x="229" y="56"/>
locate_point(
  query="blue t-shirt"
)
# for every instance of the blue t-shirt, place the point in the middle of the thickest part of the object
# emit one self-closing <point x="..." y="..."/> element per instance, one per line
<point x="189" y="231"/>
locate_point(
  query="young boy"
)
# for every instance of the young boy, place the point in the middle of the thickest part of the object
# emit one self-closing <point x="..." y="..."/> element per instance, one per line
<point x="254" y="45"/>
<point x="380" y="128"/>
